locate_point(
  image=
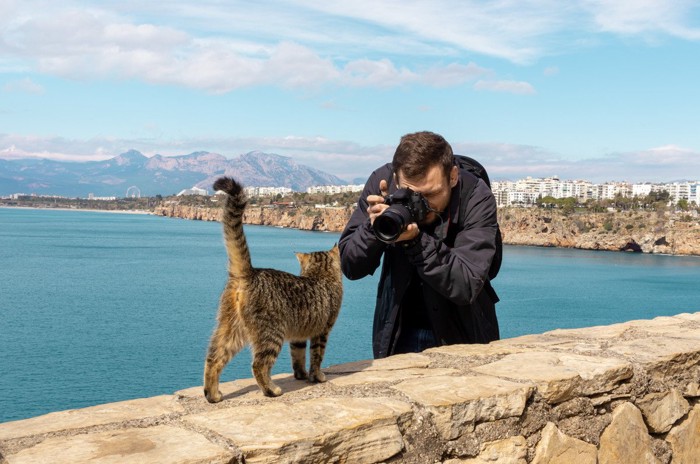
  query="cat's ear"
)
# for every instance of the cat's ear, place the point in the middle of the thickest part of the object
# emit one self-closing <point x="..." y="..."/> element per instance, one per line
<point x="335" y="247"/>
<point x="301" y="257"/>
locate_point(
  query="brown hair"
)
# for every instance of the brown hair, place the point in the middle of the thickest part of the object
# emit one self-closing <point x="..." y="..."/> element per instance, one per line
<point x="419" y="151"/>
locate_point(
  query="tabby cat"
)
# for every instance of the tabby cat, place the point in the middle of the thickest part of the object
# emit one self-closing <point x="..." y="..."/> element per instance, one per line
<point x="265" y="307"/>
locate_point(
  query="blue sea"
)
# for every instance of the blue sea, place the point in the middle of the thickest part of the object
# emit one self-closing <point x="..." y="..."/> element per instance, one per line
<point x="101" y="307"/>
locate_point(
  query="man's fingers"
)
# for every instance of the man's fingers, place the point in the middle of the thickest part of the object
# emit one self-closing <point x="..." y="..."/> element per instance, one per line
<point x="384" y="187"/>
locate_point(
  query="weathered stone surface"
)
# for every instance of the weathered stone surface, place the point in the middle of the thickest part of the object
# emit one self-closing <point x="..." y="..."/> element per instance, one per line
<point x="662" y="410"/>
<point x="626" y="440"/>
<point x="467" y="351"/>
<point x="661" y="355"/>
<point x="248" y="388"/>
<point x="693" y="317"/>
<point x="399" y="361"/>
<point x="603" y="331"/>
<point x="561" y="376"/>
<point x="685" y="439"/>
<point x="555" y="447"/>
<point x="162" y="444"/>
<point x="456" y="403"/>
<point x="88" y="417"/>
<point x="507" y="451"/>
<point x="668" y="326"/>
<point x="357" y="430"/>
<point x="692" y="389"/>
<point x="377" y="376"/>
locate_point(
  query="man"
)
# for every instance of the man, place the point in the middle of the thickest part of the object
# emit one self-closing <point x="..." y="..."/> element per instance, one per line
<point x="434" y="288"/>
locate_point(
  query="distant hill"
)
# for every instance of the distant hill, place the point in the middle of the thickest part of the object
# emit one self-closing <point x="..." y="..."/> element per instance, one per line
<point x="164" y="175"/>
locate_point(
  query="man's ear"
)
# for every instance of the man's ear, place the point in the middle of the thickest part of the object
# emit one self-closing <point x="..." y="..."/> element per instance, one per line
<point x="454" y="176"/>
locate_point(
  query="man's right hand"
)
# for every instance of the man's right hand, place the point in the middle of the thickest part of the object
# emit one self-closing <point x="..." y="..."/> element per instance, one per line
<point x="376" y="202"/>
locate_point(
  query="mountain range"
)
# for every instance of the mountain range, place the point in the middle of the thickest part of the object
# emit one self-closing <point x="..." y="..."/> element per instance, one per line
<point x="157" y="175"/>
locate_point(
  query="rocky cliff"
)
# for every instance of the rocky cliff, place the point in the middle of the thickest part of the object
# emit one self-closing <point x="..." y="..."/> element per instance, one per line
<point x="305" y="218"/>
<point x="648" y="232"/>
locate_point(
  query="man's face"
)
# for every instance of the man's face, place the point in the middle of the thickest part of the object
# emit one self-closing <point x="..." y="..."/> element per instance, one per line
<point x="435" y="186"/>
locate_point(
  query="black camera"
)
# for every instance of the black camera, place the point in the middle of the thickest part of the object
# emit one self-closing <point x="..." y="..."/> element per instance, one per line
<point x="405" y="207"/>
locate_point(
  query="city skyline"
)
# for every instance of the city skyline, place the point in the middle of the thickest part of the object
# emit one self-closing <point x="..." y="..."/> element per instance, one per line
<point x="589" y="89"/>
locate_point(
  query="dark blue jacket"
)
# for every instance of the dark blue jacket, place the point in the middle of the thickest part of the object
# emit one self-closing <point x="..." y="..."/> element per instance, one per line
<point x="453" y="262"/>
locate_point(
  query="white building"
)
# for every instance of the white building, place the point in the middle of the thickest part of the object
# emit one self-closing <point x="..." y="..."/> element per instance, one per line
<point x="520" y="198"/>
<point x="266" y="191"/>
<point x="331" y="189"/>
<point x="641" y="190"/>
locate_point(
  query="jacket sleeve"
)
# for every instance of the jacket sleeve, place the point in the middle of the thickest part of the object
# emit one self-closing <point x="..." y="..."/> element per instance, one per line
<point x="360" y="249"/>
<point x="459" y="273"/>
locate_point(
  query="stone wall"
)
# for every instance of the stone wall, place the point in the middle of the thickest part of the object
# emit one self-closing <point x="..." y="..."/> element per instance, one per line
<point x="625" y="393"/>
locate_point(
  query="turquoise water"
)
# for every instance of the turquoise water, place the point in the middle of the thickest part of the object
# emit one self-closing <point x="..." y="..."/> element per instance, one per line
<point x="101" y="307"/>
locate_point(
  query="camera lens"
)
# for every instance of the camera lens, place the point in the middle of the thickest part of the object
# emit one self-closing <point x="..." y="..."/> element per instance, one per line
<point x="389" y="225"/>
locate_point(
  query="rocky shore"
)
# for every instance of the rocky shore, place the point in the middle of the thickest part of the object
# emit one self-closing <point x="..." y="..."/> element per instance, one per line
<point x="641" y="231"/>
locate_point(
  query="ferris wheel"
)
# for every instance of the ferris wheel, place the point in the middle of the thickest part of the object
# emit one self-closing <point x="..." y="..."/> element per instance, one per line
<point x="133" y="192"/>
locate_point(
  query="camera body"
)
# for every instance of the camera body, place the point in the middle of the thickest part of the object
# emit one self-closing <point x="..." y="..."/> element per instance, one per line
<point x="405" y="207"/>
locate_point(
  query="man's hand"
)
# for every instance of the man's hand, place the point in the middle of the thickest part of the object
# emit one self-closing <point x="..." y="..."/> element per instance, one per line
<point x="377" y="207"/>
<point x="376" y="202"/>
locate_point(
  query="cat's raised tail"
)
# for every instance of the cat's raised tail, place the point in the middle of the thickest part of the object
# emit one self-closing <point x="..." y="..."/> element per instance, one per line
<point x="239" y="264"/>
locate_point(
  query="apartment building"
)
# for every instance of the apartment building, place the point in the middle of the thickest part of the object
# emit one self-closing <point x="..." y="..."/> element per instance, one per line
<point x="525" y="192"/>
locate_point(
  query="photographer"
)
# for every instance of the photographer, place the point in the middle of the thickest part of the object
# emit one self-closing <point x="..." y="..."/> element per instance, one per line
<point x="438" y="245"/>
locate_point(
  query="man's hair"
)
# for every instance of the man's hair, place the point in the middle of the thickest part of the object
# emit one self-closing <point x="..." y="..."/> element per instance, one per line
<point x="419" y="151"/>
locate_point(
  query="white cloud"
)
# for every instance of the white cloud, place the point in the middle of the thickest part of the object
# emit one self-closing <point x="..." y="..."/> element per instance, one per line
<point x="25" y="85"/>
<point x="643" y="17"/>
<point x="517" y="87"/>
<point x="350" y="160"/>
<point x="454" y="74"/>
<point x="220" y="47"/>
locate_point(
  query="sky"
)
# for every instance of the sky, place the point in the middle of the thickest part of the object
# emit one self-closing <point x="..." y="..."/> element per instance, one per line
<point x="581" y="89"/>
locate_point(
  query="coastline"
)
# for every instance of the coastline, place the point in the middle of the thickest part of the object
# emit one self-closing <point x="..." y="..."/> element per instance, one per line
<point x="646" y="232"/>
<point x="674" y="234"/>
<point x="89" y="210"/>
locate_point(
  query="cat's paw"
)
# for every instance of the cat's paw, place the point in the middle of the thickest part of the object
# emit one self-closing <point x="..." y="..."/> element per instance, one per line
<point x="300" y="374"/>
<point x="272" y="391"/>
<point x="317" y="377"/>
<point x="213" y="397"/>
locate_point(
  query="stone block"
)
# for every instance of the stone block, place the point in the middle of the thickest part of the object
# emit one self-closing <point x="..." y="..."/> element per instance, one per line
<point x="477" y="350"/>
<point x="685" y="439"/>
<point x="163" y="444"/>
<point x="555" y="447"/>
<point x="692" y="317"/>
<point x="122" y="411"/>
<point x="661" y="356"/>
<point x="456" y="403"/>
<point x="692" y="390"/>
<point x="603" y="332"/>
<point x="626" y="440"/>
<point x="662" y="410"/>
<point x="396" y="362"/>
<point x="507" y="451"/>
<point x="561" y="376"/>
<point x="357" y="430"/>
<point x="378" y="376"/>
